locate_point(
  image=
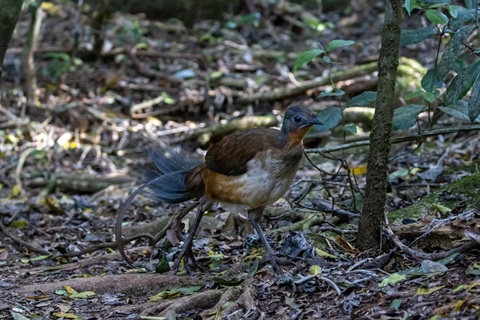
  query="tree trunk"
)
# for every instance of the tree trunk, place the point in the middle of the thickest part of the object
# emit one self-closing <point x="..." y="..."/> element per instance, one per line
<point x="9" y="12"/>
<point x="372" y="217"/>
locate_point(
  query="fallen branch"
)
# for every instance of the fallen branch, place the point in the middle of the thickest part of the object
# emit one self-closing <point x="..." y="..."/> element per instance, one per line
<point x="79" y="183"/>
<point x="285" y="92"/>
<point x="428" y="256"/>
<point x="299" y="225"/>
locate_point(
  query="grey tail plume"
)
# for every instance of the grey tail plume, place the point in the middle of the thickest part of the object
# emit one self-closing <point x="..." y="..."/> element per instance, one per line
<point x="169" y="180"/>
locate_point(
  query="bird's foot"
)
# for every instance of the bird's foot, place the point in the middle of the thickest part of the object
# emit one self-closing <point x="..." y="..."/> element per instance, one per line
<point x="188" y="259"/>
<point x="275" y="261"/>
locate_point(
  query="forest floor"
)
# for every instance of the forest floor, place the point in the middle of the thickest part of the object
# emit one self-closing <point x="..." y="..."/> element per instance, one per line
<point x="70" y="156"/>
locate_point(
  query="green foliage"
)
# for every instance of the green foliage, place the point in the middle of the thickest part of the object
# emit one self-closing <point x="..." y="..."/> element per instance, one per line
<point x="364" y="99"/>
<point x="431" y="81"/>
<point x="330" y="116"/>
<point x="474" y="102"/>
<point x="305" y="57"/>
<point x="457" y="75"/>
<point x="252" y="19"/>
<point x="416" y="35"/>
<point x="459" y="110"/>
<point x="460" y="85"/>
<point x="335" y="44"/>
<point x="436" y="17"/>
<point x="130" y="32"/>
<point x="405" y="116"/>
<point x="61" y="63"/>
<point x="334" y="93"/>
<point x="445" y="86"/>
<point x="174" y="293"/>
<point x="452" y="50"/>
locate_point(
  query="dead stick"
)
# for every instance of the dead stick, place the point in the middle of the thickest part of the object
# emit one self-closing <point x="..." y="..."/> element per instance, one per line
<point x="19" y="241"/>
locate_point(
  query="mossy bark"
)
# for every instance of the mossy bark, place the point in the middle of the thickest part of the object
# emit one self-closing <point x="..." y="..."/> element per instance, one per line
<point x="372" y="217"/>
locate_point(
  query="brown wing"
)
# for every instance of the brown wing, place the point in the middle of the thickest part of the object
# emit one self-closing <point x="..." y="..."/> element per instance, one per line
<point x="230" y="155"/>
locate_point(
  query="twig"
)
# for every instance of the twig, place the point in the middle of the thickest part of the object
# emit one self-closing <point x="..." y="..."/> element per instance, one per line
<point x="358" y="264"/>
<point x="172" y="221"/>
<point x="328" y="206"/>
<point x="136" y="108"/>
<point x="419" y="137"/>
<point x="428" y="256"/>
<point x="105" y="245"/>
<point x="327" y="280"/>
<point x="437" y="223"/>
<point x="147" y="72"/>
<point x="20" y="164"/>
<point x="314" y="220"/>
<point x="19" y="241"/>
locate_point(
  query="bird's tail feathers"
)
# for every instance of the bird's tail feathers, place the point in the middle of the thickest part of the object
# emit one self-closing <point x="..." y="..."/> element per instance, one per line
<point x="176" y="177"/>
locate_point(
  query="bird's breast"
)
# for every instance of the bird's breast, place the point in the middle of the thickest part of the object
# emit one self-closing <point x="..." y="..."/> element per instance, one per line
<point x="268" y="177"/>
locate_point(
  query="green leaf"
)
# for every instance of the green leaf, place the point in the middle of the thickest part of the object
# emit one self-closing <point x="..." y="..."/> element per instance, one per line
<point x="364" y="99"/>
<point x="334" y="93"/>
<point x="453" y="10"/>
<point x="335" y="44"/>
<point x="474" y="101"/>
<point x="168" y="99"/>
<point x="330" y="117"/>
<point x="395" y="304"/>
<point x="431" y="80"/>
<point x="18" y="316"/>
<point x="392" y="279"/>
<point x="230" y="282"/>
<point x="251" y="19"/>
<point x="452" y="50"/>
<point x="436" y="17"/>
<point x="474" y="272"/>
<point x="406" y="116"/>
<point x="414" y="94"/>
<point x="460" y="85"/>
<point x="471" y="4"/>
<point x="430" y="97"/>
<point x="410" y="5"/>
<point x="306" y="57"/>
<point x="82" y="295"/>
<point x="464" y="16"/>
<point x="174" y="293"/>
<point x="412" y="36"/>
<point x="61" y="292"/>
<point x="350" y="128"/>
<point x="436" y="3"/>
<point x="458" y="110"/>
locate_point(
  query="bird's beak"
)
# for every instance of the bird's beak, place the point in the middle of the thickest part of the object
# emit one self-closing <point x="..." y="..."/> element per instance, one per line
<point x="314" y="121"/>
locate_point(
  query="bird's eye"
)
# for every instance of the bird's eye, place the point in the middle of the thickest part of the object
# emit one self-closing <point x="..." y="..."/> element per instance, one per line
<point x="297" y="119"/>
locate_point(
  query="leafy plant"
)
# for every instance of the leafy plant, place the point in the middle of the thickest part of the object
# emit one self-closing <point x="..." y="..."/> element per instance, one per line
<point x="330" y="116"/>
<point x="457" y="75"/>
<point x="307" y="56"/>
<point x="61" y="63"/>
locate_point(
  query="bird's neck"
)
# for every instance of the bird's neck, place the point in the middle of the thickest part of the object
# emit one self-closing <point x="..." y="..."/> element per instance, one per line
<point x="292" y="139"/>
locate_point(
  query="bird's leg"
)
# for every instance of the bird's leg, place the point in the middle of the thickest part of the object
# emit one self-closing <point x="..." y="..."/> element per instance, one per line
<point x="254" y="216"/>
<point x="186" y="251"/>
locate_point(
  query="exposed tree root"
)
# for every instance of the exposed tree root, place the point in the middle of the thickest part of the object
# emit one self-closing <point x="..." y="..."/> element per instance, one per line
<point x="171" y="307"/>
<point x="129" y="284"/>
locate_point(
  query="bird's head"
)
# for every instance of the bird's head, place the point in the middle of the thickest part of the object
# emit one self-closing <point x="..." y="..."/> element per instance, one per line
<point x="298" y="118"/>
